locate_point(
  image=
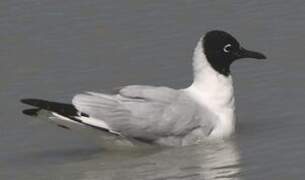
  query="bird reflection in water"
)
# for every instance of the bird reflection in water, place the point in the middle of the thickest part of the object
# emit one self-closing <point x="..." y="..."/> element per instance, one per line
<point x="209" y="160"/>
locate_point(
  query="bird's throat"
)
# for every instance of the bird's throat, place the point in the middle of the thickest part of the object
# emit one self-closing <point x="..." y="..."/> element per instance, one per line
<point x="214" y="91"/>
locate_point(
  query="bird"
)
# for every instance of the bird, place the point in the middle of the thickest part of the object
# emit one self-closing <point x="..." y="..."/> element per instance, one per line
<point x="159" y="115"/>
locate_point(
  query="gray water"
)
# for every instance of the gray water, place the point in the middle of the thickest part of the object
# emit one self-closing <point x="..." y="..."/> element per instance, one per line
<point x="53" y="49"/>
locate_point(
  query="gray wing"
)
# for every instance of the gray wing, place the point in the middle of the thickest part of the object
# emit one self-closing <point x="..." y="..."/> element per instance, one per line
<point x="144" y="112"/>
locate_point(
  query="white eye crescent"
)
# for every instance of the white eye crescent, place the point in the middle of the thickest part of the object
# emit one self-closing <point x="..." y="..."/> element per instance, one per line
<point x="227" y="48"/>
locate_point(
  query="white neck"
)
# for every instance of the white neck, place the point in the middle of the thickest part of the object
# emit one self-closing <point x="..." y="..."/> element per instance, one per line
<point x="214" y="91"/>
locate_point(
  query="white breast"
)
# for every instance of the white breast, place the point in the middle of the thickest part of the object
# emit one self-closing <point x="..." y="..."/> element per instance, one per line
<point x="214" y="91"/>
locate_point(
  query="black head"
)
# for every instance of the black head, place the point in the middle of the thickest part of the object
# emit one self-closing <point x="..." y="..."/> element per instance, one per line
<point x="222" y="49"/>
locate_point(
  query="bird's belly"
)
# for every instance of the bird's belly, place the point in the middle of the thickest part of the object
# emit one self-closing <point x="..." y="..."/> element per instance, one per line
<point x="194" y="137"/>
<point x="225" y="126"/>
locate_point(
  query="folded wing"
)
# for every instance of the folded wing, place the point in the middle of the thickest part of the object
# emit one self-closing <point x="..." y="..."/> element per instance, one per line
<point x="143" y="112"/>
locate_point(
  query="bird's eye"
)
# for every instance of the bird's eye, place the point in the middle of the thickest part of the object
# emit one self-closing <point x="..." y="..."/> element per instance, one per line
<point x="227" y="48"/>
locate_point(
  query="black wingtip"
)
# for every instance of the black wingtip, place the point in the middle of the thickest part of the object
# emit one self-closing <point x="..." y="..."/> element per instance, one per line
<point x="31" y="112"/>
<point x="60" y="108"/>
<point x="32" y="102"/>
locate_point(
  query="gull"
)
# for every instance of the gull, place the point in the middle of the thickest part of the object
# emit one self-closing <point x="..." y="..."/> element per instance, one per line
<point x="158" y="115"/>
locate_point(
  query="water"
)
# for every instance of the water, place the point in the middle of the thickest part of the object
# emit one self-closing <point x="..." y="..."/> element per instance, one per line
<point x="53" y="49"/>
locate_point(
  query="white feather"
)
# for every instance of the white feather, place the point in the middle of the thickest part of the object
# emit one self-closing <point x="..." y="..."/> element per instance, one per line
<point x="86" y="120"/>
<point x="215" y="91"/>
<point x="97" y="123"/>
<point x="64" y="118"/>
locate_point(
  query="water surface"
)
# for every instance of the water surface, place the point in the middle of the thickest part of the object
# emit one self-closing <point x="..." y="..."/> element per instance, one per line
<point x="53" y="49"/>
